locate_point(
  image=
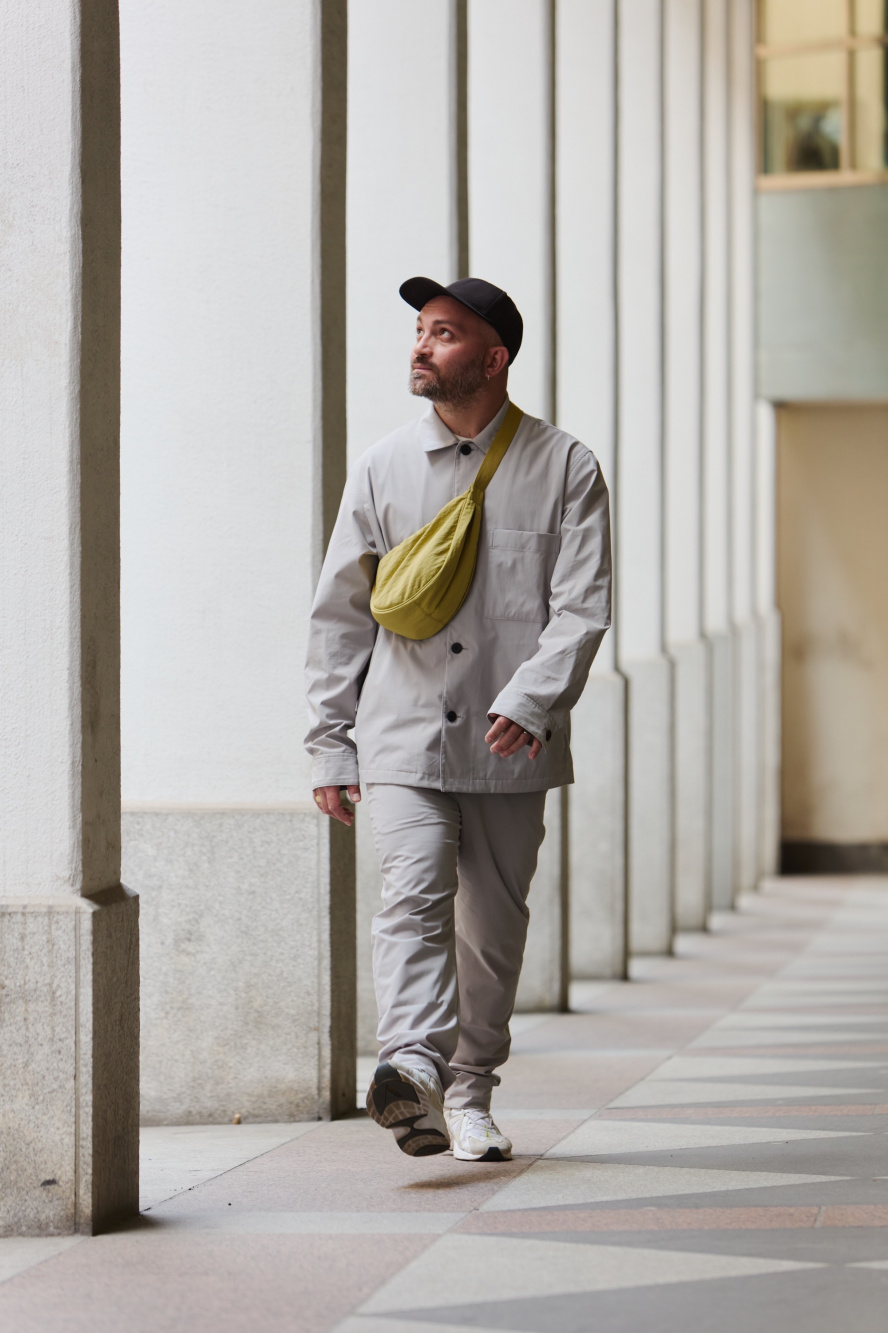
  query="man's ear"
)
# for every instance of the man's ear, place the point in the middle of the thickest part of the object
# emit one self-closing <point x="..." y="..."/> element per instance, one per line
<point x="497" y="360"/>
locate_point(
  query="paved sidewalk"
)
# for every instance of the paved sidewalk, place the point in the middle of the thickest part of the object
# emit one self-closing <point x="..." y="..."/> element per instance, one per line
<point x="703" y="1148"/>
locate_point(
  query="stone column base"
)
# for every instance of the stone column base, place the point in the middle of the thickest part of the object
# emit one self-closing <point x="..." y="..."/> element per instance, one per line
<point x="746" y="757"/>
<point x="721" y="826"/>
<point x="543" y="984"/>
<point x="248" y="987"/>
<point x="69" y="1063"/>
<point x="369" y="903"/>
<point x="690" y="665"/>
<point x="598" y="831"/>
<point x="650" y="798"/>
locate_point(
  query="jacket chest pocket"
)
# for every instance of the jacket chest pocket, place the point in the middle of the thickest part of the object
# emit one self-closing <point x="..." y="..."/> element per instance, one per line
<point x="519" y="567"/>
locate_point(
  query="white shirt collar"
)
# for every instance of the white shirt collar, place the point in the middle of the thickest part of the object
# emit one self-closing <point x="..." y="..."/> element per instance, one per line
<point x="433" y="434"/>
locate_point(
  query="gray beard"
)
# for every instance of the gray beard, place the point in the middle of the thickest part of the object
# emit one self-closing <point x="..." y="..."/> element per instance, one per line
<point x="457" y="389"/>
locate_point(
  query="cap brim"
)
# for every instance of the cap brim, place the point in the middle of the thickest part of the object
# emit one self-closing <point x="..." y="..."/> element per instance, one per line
<point x="419" y="291"/>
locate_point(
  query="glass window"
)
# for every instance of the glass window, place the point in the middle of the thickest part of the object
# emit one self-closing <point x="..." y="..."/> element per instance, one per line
<point x="803" y="113"/>
<point x="787" y="22"/>
<point x="870" y="18"/>
<point x="823" y="91"/>
<point x="870" y="147"/>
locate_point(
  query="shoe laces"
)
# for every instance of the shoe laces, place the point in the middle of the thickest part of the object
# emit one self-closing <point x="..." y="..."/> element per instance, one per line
<point x="477" y="1118"/>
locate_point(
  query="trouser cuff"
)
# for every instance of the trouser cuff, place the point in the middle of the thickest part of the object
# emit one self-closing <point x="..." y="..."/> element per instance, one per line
<point x="412" y="1058"/>
<point x="471" y="1089"/>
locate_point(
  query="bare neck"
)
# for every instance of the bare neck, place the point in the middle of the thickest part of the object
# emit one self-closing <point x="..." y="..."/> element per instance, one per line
<point x="469" y="419"/>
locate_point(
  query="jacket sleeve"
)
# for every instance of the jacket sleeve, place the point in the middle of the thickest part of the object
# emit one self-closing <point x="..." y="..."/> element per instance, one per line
<point x="551" y="682"/>
<point x="341" y="636"/>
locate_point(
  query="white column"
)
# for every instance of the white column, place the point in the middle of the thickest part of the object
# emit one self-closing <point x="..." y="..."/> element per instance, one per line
<point x="69" y="1016"/>
<point x="586" y="357"/>
<point x="746" y="650"/>
<point x="682" y="426"/>
<point x="639" y="546"/>
<point x="511" y="243"/>
<point x="510" y="176"/>
<point x="716" y="445"/>
<point x="233" y="459"/>
<point x="403" y="217"/>
<point x="406" y="216"/>
<point x="768" y="823"/>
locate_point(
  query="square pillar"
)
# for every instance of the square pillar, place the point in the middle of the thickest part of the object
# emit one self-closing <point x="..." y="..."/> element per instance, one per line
<point x="69" y="963"/>
<point x="746" y="627"/>
<point x="640" y="588"/>
<point x="511" y="169"/>
<point x="233" y="461"/>
<point x="585" y="117"/>
<point x="682" y="427"/>
<point x="716" y="463"/>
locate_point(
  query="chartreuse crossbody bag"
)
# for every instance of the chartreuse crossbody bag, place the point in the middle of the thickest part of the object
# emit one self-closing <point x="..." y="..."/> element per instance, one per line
<point x="423" y="581"/>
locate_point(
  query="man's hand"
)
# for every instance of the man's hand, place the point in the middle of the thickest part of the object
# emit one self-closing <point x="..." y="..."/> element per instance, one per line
<point x="328" y="802"/>
<point x="506" y="738"/>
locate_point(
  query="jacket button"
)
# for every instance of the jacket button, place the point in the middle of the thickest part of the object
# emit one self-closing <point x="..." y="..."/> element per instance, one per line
<point x="456" y="647"/>
<point x="465" y="448"/>
<point x="451" y="716"/>
<point x="548" y="735"/>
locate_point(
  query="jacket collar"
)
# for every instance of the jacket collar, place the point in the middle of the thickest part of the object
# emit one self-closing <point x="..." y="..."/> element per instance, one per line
<point x="433" y="434"/>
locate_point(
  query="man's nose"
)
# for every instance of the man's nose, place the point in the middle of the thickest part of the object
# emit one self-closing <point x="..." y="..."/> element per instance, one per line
<point x="423" y="342"/>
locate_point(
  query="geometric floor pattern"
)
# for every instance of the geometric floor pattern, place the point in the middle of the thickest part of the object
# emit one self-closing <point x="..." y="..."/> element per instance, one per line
<point x="701" y="1147"/>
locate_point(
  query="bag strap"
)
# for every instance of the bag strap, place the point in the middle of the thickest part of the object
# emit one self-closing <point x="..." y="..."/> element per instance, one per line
<point x="497" y="451"/>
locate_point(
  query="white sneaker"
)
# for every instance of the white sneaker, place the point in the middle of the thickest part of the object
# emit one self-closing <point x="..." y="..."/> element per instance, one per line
<point x="409" y="1102"/>
<point x="475" y="1138"/>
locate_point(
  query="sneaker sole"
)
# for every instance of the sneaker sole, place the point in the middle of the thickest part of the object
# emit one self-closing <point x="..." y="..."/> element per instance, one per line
<point x="395" y="1104"/>
<point x="492" y="1155"/>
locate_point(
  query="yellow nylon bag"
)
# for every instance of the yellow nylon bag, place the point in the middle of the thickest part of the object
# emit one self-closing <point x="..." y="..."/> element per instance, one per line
<point x="423" y="581"/>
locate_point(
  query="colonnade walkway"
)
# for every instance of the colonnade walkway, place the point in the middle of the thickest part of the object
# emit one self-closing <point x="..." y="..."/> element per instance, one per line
<point x="703" y="1147"/>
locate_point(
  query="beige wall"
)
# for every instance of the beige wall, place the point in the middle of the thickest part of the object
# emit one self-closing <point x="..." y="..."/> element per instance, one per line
<point x="833" y="595"/>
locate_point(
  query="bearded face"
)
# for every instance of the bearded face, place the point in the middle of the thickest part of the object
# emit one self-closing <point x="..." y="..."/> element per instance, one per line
<point x="454" y="385"/>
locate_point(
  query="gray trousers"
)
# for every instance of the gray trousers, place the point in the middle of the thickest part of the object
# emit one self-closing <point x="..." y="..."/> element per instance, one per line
<point x="449" y="941"/>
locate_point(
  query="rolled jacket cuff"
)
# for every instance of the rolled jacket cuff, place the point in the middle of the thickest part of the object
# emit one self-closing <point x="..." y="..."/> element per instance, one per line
<point x="525" y="711"/>
<point x="334" y="770"/>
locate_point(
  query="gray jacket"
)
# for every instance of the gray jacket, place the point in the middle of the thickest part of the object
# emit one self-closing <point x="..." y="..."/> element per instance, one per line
<point x="521" y="644"/>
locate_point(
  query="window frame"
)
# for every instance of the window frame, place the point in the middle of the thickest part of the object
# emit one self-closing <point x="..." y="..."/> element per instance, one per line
<point x="847" y="174"/>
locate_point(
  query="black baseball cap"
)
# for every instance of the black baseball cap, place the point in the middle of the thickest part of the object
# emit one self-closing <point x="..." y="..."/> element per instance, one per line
<point x="491" y="303"/>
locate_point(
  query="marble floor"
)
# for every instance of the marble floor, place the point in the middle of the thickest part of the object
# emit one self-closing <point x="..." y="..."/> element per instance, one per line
<point x="703" y="1147"/>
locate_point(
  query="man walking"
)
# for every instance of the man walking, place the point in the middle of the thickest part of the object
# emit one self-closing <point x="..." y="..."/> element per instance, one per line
<point x="459" y="735"/>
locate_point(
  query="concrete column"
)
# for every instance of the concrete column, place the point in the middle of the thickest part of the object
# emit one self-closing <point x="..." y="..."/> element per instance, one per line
<point x="511" y="166"/>
<point x="682" y="428"/>
<point x="406" y="193"/>
<point x="511" y="48"/>
<point x="233" y="461"/>
<point x="69" y="1018"/>
<point x="769" y="640"/>
<point x="407" y="214"/>
<point x="716" y="447"/>
<point x="746" y="646"/>
<point x="639" y="505"/>
<point x="585" y="373"/>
